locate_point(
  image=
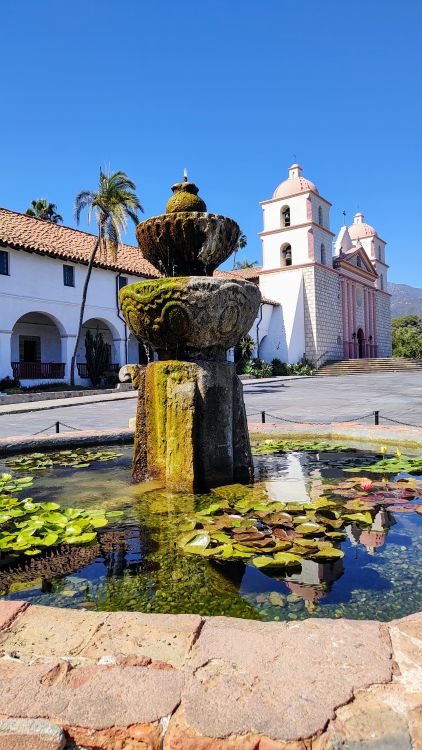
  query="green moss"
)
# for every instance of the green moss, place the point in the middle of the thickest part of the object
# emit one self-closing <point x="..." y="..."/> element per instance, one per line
<point x="183" y="201"/>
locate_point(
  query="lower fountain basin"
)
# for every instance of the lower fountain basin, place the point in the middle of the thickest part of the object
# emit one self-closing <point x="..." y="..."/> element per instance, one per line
<point x="190" y="317"/>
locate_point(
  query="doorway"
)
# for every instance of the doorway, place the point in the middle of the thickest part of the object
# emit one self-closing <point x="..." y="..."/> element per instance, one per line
<point x="361" y="343"/>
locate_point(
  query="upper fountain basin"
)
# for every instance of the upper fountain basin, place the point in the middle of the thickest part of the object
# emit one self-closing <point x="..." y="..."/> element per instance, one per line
<point x="190" y="318"/>
<point x="187" y="243"/>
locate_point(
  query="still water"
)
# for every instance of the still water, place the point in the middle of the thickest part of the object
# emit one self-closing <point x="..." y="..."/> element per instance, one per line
<point x="137" y="564"/>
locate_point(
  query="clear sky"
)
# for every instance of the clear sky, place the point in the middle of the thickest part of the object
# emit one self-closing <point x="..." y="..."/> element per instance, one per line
<point x="236" y="90"/>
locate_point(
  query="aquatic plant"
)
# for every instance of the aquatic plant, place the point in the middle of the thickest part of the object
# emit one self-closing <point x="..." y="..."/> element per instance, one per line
<point x="284" y="446"/>
<point x="27" y="526"/>
<point x="244" y="524"/>
<point x="397" y="464"/>
<point x="77" y="458"/>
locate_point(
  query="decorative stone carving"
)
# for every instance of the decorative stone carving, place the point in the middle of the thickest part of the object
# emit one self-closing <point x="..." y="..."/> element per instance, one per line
<point x="187" y="242"/>
<point x="190" y="318"/>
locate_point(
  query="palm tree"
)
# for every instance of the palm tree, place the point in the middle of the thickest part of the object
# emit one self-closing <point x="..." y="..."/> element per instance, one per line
<point x="43" y="210"/>
<point x="241" y="243"/>
<point x="245" y="264"/>
<point x="113" y="203"/>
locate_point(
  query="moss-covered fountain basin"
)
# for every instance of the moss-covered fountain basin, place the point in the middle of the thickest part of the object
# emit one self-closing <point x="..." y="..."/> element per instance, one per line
<point x="319" y="534"/>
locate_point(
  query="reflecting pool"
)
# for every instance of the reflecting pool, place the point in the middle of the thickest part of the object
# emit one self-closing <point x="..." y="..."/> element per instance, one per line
<point x="302" y="502"/>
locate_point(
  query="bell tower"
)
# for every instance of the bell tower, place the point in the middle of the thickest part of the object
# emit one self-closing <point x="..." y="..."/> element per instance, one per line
<point x="296" y="224"/>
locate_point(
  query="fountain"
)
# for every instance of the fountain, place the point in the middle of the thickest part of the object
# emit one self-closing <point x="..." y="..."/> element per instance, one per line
<point x="191" y="430"/>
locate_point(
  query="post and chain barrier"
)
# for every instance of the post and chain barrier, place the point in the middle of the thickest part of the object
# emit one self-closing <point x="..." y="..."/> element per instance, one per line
<point x="376" y="415"/>
<point x="56" y="425"/>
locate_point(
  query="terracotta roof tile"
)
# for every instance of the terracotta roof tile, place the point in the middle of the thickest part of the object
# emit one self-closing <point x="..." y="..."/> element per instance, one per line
<point x="241" y="273"/>
<point x="27" y="233"/>
<point x="244" y="273"/>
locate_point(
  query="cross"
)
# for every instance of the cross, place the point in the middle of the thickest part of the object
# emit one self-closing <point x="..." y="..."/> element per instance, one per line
<point x="344" y="217"/>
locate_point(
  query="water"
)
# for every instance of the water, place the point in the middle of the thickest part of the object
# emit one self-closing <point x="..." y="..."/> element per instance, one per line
<point x="136" y="564"/>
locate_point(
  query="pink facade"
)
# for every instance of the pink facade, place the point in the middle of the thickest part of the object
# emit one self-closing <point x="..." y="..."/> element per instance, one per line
<point x="359" y="340"/>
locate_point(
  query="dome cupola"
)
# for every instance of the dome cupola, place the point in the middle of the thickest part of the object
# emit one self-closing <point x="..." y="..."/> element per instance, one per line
<point x="359" y="229"/>
<point x="294" y="184"/>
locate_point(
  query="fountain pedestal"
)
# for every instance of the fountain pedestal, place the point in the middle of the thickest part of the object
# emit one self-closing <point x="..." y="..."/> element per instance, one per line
<point x="191" y="430"/>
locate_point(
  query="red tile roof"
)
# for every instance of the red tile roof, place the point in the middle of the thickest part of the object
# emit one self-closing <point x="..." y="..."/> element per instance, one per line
<point x="36" y="235"/>
<point x="244" y="273"/>
<point x="241" y="273"/>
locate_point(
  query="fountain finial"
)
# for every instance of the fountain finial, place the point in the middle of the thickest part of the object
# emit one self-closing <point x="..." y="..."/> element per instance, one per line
<point x="185" y="197"/>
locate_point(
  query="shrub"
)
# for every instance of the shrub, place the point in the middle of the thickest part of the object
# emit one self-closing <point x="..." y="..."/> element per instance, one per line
<point x="258" y="368"/>
<point x="407" y="336"/>
<point x="7" y="383"/>
<point x="97" y="356"/>
<point x="279" y="367"/>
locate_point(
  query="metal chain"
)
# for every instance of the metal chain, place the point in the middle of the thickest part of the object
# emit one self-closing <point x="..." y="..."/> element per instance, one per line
<point x="298" y="421"/>
<point x="397" y="421"/>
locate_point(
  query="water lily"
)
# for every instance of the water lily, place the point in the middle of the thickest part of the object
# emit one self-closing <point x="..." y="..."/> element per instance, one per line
<point x="6" y="477"/>
<point x="383" y="450"/>
<point x="366" y="485"/>
<point x="398" y="452"/>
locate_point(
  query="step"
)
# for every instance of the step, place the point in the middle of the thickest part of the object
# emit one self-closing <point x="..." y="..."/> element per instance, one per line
<point x="364" y="366"/>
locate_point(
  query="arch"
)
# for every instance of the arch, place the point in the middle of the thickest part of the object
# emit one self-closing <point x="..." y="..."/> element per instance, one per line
<point x="320" y="217"/>
<point x="36" y="347"/>
<point x="361" y="343"/>
<point x="323" y="254"/>
<point x="382" y="282"/>
<point x="285" y="216"/>
<point x="285" y="255"/>
<point x="111" y="338"/>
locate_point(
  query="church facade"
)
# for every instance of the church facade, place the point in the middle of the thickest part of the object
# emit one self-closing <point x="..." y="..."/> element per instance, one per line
<point x="325" y="296"/>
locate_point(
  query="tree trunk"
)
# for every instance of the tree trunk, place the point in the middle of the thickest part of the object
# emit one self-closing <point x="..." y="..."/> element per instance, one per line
<point x="82" y="310"/>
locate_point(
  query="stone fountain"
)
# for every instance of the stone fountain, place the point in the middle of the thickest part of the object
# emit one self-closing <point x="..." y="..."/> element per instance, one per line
<point x="191" y="430"/>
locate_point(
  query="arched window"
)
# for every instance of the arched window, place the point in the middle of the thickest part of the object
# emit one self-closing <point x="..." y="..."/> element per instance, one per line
<point x="379" y="252"/>
<point x="286" y="256"/>
<point x="381" y="282"/>
<point x="323" y="255"/>
<point x="320" y="216"/>
<point x="285" y="216"/>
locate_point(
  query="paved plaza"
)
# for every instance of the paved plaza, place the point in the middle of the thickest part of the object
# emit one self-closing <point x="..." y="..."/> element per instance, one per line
<point x="395" y="395"/>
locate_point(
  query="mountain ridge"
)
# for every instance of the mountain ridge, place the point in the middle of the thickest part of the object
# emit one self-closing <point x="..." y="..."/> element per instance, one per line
<point x="405" y="299"/>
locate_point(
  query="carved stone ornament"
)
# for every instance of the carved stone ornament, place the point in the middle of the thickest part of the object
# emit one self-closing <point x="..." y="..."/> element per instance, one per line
<point x="190" y="318"/>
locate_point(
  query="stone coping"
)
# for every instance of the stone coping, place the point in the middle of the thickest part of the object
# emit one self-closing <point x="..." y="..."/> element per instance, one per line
<point x="25" y="398"/>
<point x="133" y="681"/>
<point x="410" y="437"/>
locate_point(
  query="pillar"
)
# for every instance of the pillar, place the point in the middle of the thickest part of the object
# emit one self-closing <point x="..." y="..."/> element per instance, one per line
<point x="5" y="354"/>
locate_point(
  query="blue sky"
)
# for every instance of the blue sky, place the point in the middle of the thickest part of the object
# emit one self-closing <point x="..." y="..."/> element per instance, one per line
<point x="233" y="89"/>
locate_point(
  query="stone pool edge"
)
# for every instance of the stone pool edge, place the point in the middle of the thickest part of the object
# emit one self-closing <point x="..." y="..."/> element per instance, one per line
<point x="350" y="431"/>
<point x="183" y="682"/>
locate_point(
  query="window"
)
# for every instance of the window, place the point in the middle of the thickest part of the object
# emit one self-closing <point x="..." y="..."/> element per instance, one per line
<point x="286" y="256"/>
<point x="323" y="256"/>
<point x="4" y="263"/>
<point x="285" y="216"/>
<point x="68" y="276"/>
<point x="359" y="262"/>
<point x="381" y="282"/>
<point x="320" y="216"/>
<point x="379" y="253"/>
<point x="122" y="281"/>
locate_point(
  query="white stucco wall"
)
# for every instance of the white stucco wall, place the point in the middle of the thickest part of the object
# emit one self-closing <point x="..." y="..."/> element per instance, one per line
<point x="35" y="285"/>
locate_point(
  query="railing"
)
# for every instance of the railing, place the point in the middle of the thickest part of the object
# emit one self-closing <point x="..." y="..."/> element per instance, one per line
<point x="38" y="370"/>
<point x="83" y="369"/>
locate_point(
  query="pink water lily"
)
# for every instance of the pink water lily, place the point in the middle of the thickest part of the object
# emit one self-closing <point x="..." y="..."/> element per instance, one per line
<point x="367" y="485"/>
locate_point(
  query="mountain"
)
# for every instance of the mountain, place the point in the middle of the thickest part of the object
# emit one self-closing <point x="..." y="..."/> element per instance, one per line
<point x="405" y="300"/>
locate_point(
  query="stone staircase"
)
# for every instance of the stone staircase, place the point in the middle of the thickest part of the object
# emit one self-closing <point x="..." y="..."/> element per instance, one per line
<point x="365" y="366"/>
